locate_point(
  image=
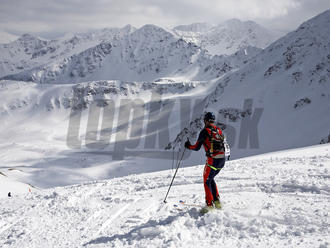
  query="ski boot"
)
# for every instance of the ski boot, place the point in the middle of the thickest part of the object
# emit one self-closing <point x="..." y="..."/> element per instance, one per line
<point x="217" y="204"/>
<point x="206" y="209"/>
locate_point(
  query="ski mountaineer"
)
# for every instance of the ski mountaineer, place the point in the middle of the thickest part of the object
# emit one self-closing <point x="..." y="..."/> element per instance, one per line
<point x="212" y="139"/>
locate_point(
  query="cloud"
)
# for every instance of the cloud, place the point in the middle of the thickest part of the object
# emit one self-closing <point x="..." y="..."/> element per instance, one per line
<point x="246" y="9"/>
<point x="56" y="16"/>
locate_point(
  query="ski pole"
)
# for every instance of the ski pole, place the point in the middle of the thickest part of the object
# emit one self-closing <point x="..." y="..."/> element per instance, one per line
<point x="174" y="175"/>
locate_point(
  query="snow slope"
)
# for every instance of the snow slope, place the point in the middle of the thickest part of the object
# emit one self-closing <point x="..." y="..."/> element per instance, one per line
<point x="35" y="122"/>
<point x="272" y="200"/>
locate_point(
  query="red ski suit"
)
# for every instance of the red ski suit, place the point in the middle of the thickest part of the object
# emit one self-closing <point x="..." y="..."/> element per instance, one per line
<point x="214" y="163"/>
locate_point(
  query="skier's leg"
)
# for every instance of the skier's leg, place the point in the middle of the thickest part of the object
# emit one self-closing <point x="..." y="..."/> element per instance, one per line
<point x="207" y="185"/>
<point x="215" y="192"/>
<point x="219" y="164"/>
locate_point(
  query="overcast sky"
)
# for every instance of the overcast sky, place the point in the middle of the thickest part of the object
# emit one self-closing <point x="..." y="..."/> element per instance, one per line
<point x="51" y="18"/>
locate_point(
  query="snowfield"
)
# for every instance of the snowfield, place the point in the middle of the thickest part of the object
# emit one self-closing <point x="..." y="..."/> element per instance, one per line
<point x="273" y="200"/>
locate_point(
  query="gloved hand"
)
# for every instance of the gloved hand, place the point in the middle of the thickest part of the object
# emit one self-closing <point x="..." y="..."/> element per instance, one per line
<point x="187" y="144"/>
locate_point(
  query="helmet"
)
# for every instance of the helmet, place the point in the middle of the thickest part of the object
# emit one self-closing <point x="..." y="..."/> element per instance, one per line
<point x="209" y="116"/>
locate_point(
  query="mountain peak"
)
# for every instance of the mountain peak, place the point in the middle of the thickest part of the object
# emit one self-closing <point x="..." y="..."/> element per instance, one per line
<point x="194" y="27"/>
<point x="236" y="24"/>
<point x="27" y="36"/>
<point x="149" y="30"/>
<point x="233" y="21"/>
<point x="129" y="27"/>
<point x="150" y="27"/>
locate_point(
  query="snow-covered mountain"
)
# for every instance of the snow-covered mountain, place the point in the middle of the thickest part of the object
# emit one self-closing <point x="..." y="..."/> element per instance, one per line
<point x="145" y="54"/>
<point x="228" y="37"/>
<point x="136" y="55"/>
<point x="266" y="100"/>
<point x="273" y="200"/>
<point x="29" y="51"/>
<point x="45" y="56"/>
<point x="288" y="85"/>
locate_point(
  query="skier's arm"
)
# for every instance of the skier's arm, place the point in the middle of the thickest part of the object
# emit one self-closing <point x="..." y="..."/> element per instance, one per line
<point x="201" y="138"/>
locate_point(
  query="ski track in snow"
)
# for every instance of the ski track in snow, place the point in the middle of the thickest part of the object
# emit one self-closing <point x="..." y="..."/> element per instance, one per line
<point x="268" y="201"/>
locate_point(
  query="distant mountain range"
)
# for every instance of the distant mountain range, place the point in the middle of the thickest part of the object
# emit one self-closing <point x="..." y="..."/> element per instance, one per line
<point x="134" y="54"/>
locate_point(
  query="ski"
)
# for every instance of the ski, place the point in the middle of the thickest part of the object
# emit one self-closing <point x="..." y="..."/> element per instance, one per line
<point x="183" y="206"/>
<point x="190" y="204"/>
<point x="177" y="207"/>
<point x="193" y="205"/>
<point x="183" y="203"/>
